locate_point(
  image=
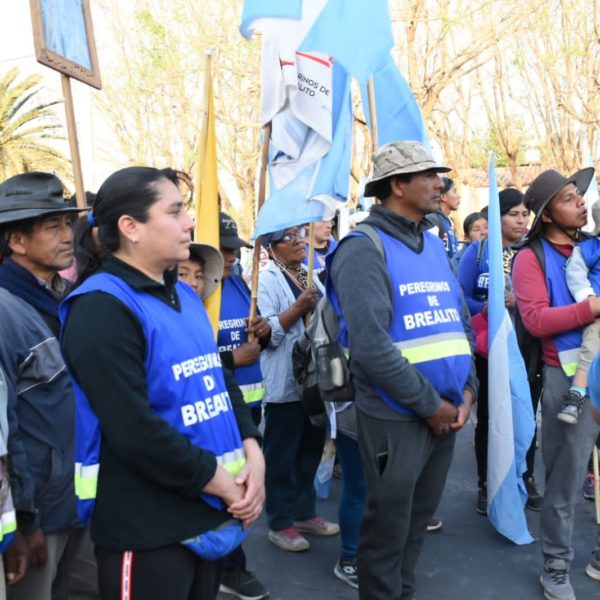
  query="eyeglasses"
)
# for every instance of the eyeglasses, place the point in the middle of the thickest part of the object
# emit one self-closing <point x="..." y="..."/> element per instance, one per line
<point x="295" y="234"/>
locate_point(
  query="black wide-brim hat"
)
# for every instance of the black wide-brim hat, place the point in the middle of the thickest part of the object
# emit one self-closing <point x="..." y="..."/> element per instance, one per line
<point x="32" y="195"/>
<point x="546" y="185"/>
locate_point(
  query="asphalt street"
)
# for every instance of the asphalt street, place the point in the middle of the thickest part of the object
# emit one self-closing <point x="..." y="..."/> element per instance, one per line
<point x="465" y="560"/>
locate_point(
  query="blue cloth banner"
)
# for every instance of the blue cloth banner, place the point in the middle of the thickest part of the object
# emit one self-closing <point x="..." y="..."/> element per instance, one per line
<point x="357" y="33"/>
<point x="398" y="114"/>
<point x="511" y="419"/>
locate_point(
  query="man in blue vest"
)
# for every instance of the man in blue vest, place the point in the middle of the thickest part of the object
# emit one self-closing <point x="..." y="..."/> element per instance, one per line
<point x="549" y="312"/>
<point x="410" y="344"/>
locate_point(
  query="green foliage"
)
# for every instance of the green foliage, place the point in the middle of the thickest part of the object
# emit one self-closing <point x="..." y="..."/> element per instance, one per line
<point x="26" y="125"/>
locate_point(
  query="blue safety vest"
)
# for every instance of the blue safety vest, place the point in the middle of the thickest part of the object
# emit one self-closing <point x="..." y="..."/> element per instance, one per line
<point x="483" y="271"/>
<point x="186" y="386"/>
<point x="448" y="236"/>
<point x="427" y="326"/>
<point x="568" y="344"/>
<point x="235" y="308"/>
<point x="320" y="259"/>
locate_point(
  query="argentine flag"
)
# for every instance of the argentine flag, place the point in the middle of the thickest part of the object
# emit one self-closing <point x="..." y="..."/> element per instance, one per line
<point x="511" y="419"/>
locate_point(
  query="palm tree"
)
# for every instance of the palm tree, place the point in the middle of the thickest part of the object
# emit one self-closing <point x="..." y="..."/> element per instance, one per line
<point x="26" y="124"/>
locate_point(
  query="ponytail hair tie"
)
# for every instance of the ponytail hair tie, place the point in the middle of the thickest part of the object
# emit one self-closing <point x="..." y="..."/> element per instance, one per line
<point x="91" y="219"/>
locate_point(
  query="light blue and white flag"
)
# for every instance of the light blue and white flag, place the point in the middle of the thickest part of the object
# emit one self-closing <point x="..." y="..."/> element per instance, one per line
<point x="357" y="33"/>
<point x="313" y="194"/>
<point x="398" y="114"/>
<point x="511" y="419"/>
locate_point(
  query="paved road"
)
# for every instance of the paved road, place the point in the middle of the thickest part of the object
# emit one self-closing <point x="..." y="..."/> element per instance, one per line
<point x="466" y="560"/>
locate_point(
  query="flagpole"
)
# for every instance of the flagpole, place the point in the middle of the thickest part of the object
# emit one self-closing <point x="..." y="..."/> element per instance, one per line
<point x="73" y="141"/>
<point x="373" y="114"/>
<point x="311" y="254"/>
<point x="262" y="188"/>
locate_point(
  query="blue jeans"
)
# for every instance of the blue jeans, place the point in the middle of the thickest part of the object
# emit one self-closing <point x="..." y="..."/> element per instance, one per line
<point x="292" y="447"/>
<point x="354" y="494"/>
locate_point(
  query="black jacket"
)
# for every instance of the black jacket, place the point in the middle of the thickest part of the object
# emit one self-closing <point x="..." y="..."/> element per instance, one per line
<point x="150" y="475"/>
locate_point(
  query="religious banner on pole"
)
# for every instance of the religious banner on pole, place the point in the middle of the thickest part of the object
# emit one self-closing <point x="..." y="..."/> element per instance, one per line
<point x="63" y="37"/>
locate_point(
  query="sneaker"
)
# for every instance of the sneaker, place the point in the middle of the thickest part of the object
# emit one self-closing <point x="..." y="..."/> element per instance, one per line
<point x="346" y="569"/>
<point x="571" y="408"/>
<point x="481" y="506"/>
<point x="242" y="584"/>
<point x="317" y="526"/>
<point x="593" y="568"/>
<point x="289" y="539"/>
<point x="555" y="580"/>
<point x="534" y="498"/>
<point x="434" y="524"/>
<point x="588" y="487"/>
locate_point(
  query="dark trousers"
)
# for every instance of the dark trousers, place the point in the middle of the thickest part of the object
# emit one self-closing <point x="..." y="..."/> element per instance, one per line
<point x="168" y="573"/>
<point x="405" y="468"/>
<point x="481" y="431"/>
<point x="292" y="447"/>
<point x="236" y="561"/>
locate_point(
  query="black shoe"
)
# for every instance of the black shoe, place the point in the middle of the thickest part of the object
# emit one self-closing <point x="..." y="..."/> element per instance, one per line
<point x="346" y="569"/>
<point x="243" y="585"/>
<point x="481" y="506"/>
<point x="534" y="498"/>
<point x="571" y="408"/>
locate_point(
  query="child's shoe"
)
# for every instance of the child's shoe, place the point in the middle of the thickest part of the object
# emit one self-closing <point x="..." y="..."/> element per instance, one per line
<point x="571" y="408"/>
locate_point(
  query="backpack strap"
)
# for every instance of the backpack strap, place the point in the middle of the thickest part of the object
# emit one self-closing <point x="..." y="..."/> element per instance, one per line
<point x="372" y="234"/>
<point x="538" y="250"/>
<point x="480" y="249"/>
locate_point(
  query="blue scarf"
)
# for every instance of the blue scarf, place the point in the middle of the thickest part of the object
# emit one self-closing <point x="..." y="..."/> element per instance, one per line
<point x="20" y="282"/>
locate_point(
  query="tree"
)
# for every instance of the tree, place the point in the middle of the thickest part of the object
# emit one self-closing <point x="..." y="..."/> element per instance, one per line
<point x="157" y="63"/>
<point x="559" y="62"/>
<point x="26" y="125"/>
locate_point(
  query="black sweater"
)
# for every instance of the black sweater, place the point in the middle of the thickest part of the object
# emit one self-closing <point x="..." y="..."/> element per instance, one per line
<point x="150" y="475"/>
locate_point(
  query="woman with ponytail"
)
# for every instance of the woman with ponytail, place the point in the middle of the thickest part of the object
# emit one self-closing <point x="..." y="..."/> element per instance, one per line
<point x="168" y="465"/>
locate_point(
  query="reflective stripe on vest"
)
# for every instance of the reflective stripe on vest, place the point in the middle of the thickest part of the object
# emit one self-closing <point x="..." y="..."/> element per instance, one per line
<point x="568" y="361"/>
<point x="253" y="392"/>
<point x="434" y="347"/>
<point x="232" y="462"/>
<point x="9" y="523"/>
<point x="86" y="481"/>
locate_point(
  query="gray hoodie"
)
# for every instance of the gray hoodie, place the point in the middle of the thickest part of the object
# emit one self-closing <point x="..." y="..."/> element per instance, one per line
<point x="360" y="278"/>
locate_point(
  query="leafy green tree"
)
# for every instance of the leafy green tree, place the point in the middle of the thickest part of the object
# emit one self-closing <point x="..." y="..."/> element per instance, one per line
<point x="28" y="126"/>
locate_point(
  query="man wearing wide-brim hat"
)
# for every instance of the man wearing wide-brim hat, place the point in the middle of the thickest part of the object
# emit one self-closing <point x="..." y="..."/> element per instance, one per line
<point x="36" y="241"/>
<point x="549" y="312"/>
<point x="407" y="326"/>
